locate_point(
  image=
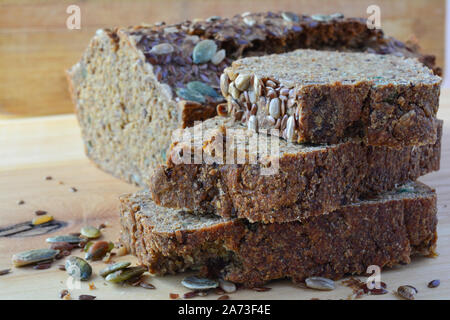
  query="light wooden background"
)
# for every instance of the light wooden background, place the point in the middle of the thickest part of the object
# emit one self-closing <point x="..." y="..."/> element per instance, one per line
<point x="36" y="47"/>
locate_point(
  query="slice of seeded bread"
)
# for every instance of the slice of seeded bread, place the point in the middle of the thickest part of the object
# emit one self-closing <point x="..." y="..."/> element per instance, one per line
<point x="324" y="96"/>
<point x="291" y="183"/>
<point x="384" y="231"/>
<point x="134" y="86"/>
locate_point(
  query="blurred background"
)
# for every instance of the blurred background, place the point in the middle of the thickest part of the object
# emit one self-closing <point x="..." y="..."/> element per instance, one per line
<point x="36" y="46"/>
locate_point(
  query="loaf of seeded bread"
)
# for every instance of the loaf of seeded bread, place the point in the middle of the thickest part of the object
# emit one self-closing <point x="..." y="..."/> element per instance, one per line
<point x="323" y="96"/>
<point x="284" y="182"/>
<point x="384" y="231"/>
<point x="134" y="86"/>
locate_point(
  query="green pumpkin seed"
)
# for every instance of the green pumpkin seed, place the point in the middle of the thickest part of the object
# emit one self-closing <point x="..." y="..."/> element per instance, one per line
<point x="190" y="95"/>
<point x="290" y="16"/>
<point x="196" y="283"/>
<point x="87" y="246"/>
<point x="113" y="268"/>
<point x="78" y="268"/>
<point x="202" y="88"/>
<point x="204" y="51"/>
<point x="90" y="232"/>
<point x="321" y="17"/>
<point x="125" y="274"/>
<point x="32" y="256"/>
<point x="69" y="239"/>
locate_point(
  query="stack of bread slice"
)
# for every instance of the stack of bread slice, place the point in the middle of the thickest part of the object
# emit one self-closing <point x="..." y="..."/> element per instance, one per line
<point x="309" y="169"/>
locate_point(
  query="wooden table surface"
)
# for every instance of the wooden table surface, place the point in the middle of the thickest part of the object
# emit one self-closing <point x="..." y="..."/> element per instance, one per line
<point x="34" y="148"/>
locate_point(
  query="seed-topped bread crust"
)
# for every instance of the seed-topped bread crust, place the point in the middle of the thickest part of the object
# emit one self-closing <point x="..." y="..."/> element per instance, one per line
<point x="308" y="180"/>
<point x="326" y="96"/>
<point x="134" y="86"/>
<point x="385" y="230"/>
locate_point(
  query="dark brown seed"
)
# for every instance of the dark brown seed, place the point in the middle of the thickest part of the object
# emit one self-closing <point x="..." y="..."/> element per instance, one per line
<point x="63" y="246"/>
<point x="146" y="285"/>
<point x="174" y="295"/>
<point x="434" y="283"/>
<point x="190" y="294"/>
<point x="102" y="226"/>
<point x="262" y="289"/>
<point x="377" y="292"/>
<point x="224" y="297"/>
<point x="219" y="291"/>
<point x="48" y="178"/>
<point x="222" y="109"/>
<point x="86" y="297"/>
<point x="5" y="271"/>
<point x="73" y="189"/>
<point x="97" y="251"/>
<point x="20" y="202"/>
<point x="42" y="266"/>
<point x="63" y="293"/>
<point x="62" y="267"/>
<point x="40" y="212"/>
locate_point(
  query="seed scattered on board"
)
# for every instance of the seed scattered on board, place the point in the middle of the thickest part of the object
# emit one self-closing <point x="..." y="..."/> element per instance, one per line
<point x="113" y="268"/>
<point x="320" y="283"/>
<point x="125" y="274"/>
<point x="90" y="232"/>
<point x="41" y="220"/>
<point x="196" y="283"/>
<point x="407" y="292"/>
<point x="434" y="283"/>
<point x="78" y="268"/>
<point x="33" y="256"/>
<point x="64" y="238"/>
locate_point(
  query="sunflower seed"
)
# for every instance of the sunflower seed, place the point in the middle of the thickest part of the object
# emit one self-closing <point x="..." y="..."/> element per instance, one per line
<point x="290" y="127"/>
<point x="41" y="220"/>
<point x="321" y="17"/>
<point x="253" y="123"/>
<point x="224" y="80"/>
<point x="204" y="51"/>
<point x="113" y="268"/>
<point x="202" y="88"/>
<point x="86" y="297"/>
<point x="227" y="286"/>
<point x="320" y="283"/>
<point x="274" y="108"/>
<point x="33" y="256"/>
<point x="68" y="238"/>
<point x="235" y="93"/>
<point x="213" y="18"/>
<point x="407" y="292"/>
<point x="196" y="283"/>
<point x="434" y="283"/>
<point x="337" y="15"/>
<point x="90" y="232"/>
<point x="125" y="274"/>
<point x="162" y="48"/>
<point x="78" y="268"/>
<point x="290" y="16"/>
<point x="5" y="271"/>
<point x="190" y="95"/>
<point x="218" y="57"/>
<point x="242" y="81"/>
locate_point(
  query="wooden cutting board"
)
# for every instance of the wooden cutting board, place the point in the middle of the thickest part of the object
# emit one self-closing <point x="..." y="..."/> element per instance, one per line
<point x="32" y="149"/>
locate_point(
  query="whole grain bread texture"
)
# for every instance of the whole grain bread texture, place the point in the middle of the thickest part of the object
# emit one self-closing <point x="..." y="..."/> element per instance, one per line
<point x="134" y="86"/>
<point x="384" y="231"/>
<point x="316" y="96"/>
<point x="219" y="166"/>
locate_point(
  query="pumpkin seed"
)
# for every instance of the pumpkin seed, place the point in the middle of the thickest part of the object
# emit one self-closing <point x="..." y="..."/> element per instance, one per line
<point x="41" y="220"/>
<point x="87" y="246"/>
<point x="162" y="48"/>
<point x="202" y="88"/>
<point x="320" y="283"/>
<point x="196" y="283"/>
<point x="98" y="250"/>
<point x="113" y="268"/>
<point x="227" y="286"/>
<point x="125" y="274"/>
<point x="321" y="17"/>
<point x="218" y="57"/>
<point x="90" y="232"/>
<point x="33" y="256"/>
<point x="78" y="268"/>
<point x="407" y="292"/>
<point x="224" y="80"/>
<point x="204" y="51"/>
<point x="242" y="81"/>
<point x="290" y="16"/>
<point x="274" y="108"/>
<point x="66" y="238"/>
<point x="190" y="95"/>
